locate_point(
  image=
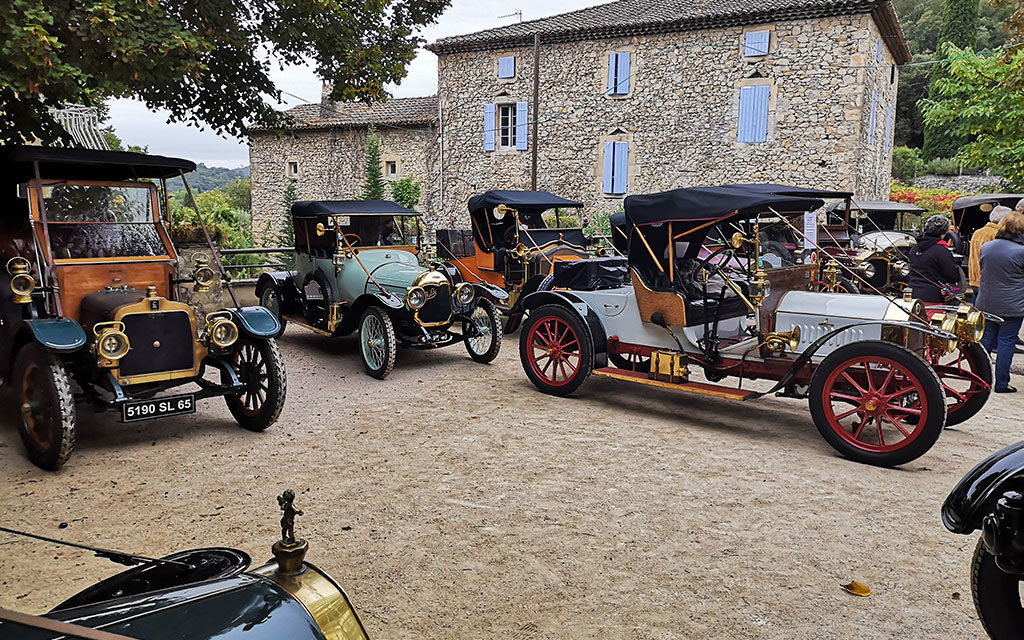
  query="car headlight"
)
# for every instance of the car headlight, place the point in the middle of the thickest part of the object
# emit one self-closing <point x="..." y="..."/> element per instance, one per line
<point x="902" y="268"/>
<point x="220" y="330"/>
<point x="22" y="284"/>
<point x="867" y="270"/>
<point x="112" y="342"/>
<point x="464" y="293"/>
<point x="416" y="298"/>
<point x="970" y="323"/>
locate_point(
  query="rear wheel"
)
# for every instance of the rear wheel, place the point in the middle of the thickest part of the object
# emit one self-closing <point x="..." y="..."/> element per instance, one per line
<point x="377" y="344"/>
<point x="966" y="376"/>
<point x="260" y="367"/>
<point x="877" y="403"/>
<point x="997" y="596"/>
<point x="47" y="407"/>
<point x="630" y="361"/>
<point x="487" y="322"/>
<point x="270" y="298"/>
<point x="556" y="350"/>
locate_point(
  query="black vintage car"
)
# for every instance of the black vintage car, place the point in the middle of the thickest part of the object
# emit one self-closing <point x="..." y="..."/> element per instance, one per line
<point x="90" y="311"/>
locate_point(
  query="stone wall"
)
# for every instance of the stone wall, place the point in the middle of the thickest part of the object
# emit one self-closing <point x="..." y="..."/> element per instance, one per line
<point x="964" y="183"/>
<point x="680" y="116"/>
<point x="331" y="167"/>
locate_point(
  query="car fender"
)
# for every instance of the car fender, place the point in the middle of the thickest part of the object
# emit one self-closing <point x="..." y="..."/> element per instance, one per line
<point x="256" y="322"/>
<point x="976" y="494"/>
<point x="570" y="301"/>
<point x="284" y="281"/>
<point x="487" y="290"/>
<point x="391" y="303"/>
<point x="59" y="335"/>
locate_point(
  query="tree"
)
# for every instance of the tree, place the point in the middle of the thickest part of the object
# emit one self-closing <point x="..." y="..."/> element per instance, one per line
<point x="239" y="194"/>
<point x="205" y="61"/>
<point x="959" y="29"/>
<point x="373" y="184"/>
<point x="406" y="192"/>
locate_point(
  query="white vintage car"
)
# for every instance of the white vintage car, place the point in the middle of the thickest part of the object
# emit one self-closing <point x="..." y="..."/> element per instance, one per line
<point x="883" y="376"/>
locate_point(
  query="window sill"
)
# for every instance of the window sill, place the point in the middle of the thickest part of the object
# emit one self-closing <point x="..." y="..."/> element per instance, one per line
<point x="618" y="96"/>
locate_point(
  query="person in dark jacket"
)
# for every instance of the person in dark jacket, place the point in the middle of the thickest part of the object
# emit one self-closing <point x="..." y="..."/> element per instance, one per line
<point x="1002" y="294"/>
<point x="934" y="274"/>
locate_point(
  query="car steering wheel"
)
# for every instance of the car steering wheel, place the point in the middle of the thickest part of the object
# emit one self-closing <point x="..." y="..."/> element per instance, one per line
<point x="351" y="238"/>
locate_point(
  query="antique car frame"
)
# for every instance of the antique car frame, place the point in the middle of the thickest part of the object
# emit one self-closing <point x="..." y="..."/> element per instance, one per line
<point x="510" y="246"/>
<point x="877" y="260"/>
<point x="859" y="360"/>
<point x="358" y="271"/>
<point x="92" y="298"/>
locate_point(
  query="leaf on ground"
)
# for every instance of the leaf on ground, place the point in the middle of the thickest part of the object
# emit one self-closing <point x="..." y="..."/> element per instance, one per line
<point x="857" y="589"/>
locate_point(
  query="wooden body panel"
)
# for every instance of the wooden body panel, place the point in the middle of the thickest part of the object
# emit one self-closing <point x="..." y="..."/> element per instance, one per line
<point x="77" y="280"/>
<point x="669" y="303"/>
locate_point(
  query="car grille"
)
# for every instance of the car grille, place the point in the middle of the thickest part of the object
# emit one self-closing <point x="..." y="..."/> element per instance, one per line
<point x="161" y="341"/>
<point x="438" y="308"/>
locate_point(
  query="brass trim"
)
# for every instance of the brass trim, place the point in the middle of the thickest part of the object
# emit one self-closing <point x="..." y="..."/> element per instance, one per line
<point x="199" y="351"/>
<point x="326" y="602"/>
<point x="103" y="329"/>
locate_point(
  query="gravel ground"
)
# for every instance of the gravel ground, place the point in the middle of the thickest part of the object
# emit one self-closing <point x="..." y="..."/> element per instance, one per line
<point x="455" y="501"/>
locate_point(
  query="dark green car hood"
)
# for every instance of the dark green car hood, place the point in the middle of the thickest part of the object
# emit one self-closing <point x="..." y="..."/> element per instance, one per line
<point x="243" y="607"/>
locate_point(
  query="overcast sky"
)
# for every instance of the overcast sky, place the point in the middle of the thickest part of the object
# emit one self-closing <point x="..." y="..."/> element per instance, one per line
<point x="139" y="126"/>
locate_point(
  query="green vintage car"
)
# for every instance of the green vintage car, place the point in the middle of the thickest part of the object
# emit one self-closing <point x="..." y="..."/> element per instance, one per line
<point x="358" y="269"/>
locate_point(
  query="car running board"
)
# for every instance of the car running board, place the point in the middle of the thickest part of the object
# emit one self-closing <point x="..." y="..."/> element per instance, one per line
<point x="301" y="321"/>
<point x="700" y="388"/>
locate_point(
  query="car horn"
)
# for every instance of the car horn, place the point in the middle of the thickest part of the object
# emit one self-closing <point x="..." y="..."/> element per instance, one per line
<point x="22" y="284"/>
<point x="781" y="340"/>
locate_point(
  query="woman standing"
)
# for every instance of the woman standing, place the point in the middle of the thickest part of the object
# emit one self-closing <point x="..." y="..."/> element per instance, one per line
<point x="934" y="274"/>
<point x="1002" y="294"/>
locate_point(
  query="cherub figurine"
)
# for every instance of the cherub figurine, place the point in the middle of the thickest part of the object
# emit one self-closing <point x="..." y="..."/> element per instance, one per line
<point x="285" y="501"/>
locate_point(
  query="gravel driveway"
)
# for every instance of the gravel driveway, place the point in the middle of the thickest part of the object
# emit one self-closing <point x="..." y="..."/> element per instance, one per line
<point x="455" y="501"/>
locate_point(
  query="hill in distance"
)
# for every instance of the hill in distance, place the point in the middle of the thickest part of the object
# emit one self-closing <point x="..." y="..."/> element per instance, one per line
<point x="206" y="178"/>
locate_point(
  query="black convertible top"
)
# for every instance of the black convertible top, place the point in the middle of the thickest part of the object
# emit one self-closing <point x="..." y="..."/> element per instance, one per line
<point x="16" y="164"/>
<point x="868" y="206"/>
<point x="699" y="204"/>
<point x="317" y="208"/>
<point x="1005" y="199"/>
<point x="521" y="200"/>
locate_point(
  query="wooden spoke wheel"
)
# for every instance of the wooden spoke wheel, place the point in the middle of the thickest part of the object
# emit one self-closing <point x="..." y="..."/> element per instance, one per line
<point x="47" y="407"/>
<point x="556" y="350"/>
<point x="487" y="322"/>
<point x="966" y="376"/>
<point x="260" y="367"/>
<point x="877" y="403"/>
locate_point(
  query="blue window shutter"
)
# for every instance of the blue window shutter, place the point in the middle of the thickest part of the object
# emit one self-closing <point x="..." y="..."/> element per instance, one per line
<point x="753" y="120"/>
<point x="878" y="50"/>
<point x="522" y="124"/>
<point x="490" y="110"/>
<point x="755" y="43"/>
<point x="888" y="129"/>
<point x="507" y="67"/>
<point x="874" y="109"/>
<point x="620" y="168"/>
<point x="622" y="73"/>
<point x="609" y="157"/>
<point x="612" y="61"/>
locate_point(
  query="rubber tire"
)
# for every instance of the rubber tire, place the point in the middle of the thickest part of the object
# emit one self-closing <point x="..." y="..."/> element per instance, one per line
<point x="277" y="388"/>
<point x="547" y="284"/>
<point x="779" y="249"/>
<point x="976" y="402"/>
<point x="996" y="596"/>
<point x="917" y="366"/>
<point x="390" y="344"/>
<point x="846" y="284"/>
<point x="59" y="399"/>
<point x="265" y="302"/>
<point x="494" y="320"/>
<point x="582" y="332"/>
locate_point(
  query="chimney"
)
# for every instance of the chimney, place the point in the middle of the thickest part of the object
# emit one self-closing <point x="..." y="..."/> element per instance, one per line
<point x="326" y="105"/>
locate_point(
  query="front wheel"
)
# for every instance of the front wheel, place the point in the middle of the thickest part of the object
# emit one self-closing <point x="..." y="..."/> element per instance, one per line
<point x="556" y="350"/>
<point x="47" y="407"/>
<point x="377" y="344"/>
<point x="484" y="347"/>
<point x="997" y="596"/>
<point x="260" y="368"/>
<point x="270" y="298"/>
<point x="877" y="403"/>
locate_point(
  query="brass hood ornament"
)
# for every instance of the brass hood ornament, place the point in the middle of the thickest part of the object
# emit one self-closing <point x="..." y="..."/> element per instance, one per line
<point x="289" y="551"/>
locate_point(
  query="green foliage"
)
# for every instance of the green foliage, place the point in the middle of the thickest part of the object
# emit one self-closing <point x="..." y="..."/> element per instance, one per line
<point x="959" y="29"/>
<point x="239" y="194"/>
<point x="907" y="164"/>
<point x="933" y="201"/>
<point x="983" y="99"/>
<point x="943" y="167"/>
<point x="373" y="182"/>
<point x="406" y="192"/>
<point x="206" y="178"/>
<point x="205" y="61"/>
<point x="284" y="235"/>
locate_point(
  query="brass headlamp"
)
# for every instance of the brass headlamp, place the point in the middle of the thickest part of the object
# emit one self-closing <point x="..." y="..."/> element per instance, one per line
<point x="947" y="322"/>
<point x="203" y="276"/>
<point x="111" y="341"/>
<point x="970" y="323"/>
<point x="464" y="293"/>
<point x="22" y="284"/>
<point x="416" y="298"/>
<point x="221" y="331"/>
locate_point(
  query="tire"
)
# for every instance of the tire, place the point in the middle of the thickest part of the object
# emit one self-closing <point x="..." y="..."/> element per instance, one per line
<point x="377" y="344"/>
<point x="997" y="596"/>
<point x="555" y="326"/>
<point x="547" y="284"/>
<point x="966" y="376"/>
<point x="485" y="316"/>
<point x="914" y="415"/>
<point x="260" y="367"/>
<point x="844" y="285"/>
<point x="43" y="393"/>
<point x="270" y="298"/>
<point x="630" y="361"/>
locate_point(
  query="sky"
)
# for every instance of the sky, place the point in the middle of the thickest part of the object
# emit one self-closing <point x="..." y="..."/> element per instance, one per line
<point x="137" y="125"/>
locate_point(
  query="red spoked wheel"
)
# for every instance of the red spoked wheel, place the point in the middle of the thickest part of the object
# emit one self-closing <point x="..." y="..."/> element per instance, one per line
<point x="556" y="350"/>
<point x="966" y="376"/>
<point x="877" y="403"/>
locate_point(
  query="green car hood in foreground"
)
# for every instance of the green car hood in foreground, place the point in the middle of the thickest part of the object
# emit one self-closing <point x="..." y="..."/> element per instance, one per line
<point x="241" y="607"/>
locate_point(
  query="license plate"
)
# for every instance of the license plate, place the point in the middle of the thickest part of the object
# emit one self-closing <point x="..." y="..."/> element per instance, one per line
<point x="158" y="407"/>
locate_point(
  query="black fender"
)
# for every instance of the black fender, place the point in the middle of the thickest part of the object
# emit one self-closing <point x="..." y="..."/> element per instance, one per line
<point x="495" y="294"/>
<point x="976" y="494"/>
<point x="515" y="314"/>
<point x="59" y="335"/>
<point x="571" y="301"/>
<point x="284" y="281"/>
<point x="390" y="302"/>
<point x="256" y="322"/>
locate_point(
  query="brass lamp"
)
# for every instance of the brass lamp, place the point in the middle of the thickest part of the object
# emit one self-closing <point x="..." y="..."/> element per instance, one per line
<point x="22" y="284"/>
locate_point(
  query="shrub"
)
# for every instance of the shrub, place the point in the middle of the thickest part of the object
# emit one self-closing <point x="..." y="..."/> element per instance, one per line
<point x="933" y="201"/>
<point x="907" y="164"/>
<point x="943" y="167"/>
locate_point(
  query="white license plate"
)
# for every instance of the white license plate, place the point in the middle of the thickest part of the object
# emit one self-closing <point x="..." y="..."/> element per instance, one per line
<point x="158" y="407"/>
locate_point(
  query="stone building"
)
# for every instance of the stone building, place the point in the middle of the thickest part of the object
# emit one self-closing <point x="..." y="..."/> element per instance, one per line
<point x="638" y="96"/>
<point x="324" y="153"/>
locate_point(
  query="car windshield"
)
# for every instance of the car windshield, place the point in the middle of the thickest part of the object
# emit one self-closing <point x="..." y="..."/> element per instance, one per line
<point x="378" y="231"/>
<point x="97" y="221"/>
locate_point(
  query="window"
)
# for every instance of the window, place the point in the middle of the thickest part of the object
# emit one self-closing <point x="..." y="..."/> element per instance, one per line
<point x="506" y="126"/>
<point x="753" y="115"/>
<point x="889" y="129"/>
<point x="616" y="168"/>
<point x="293" y="168"/>
<point x="507" y="67"/>
<point x="391" y="169"/>
<point x="878" y="50"/>
<point x="618" y="73"/>
<point x="874" y="110"/>
<point x="755" y="43"/>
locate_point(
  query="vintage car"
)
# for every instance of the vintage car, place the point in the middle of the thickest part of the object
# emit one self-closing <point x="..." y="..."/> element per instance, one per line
<point x="878" y="259"/>
<point x="990" y="498"/>
<point x="511" y="246"/>
<point x="357" y="269"/>
<point x="859" y="360"/>
<point x="91" y="311"/>
<point x="200" y="594"/>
